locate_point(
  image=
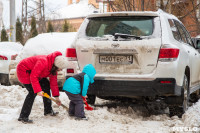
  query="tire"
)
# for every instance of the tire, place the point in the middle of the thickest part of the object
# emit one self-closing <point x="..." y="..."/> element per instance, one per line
<point x="4" y="79"/>
<point x="91" y="99"/>
<point x="185" y="94"/>
<point x="180" y="108"/>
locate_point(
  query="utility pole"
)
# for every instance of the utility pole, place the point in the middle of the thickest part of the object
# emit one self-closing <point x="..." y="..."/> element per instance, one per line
<point x="12" y="21"/>
<point x="1" y="12"/>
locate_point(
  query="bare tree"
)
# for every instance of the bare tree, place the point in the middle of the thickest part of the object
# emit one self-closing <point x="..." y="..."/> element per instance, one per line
<point x="32" y="8"/>
<point x="185" y="10"/>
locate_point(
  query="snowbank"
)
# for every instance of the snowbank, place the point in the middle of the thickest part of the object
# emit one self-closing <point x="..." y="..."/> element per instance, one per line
<point x="192" y="117"/>
<point x="104" y="119"/>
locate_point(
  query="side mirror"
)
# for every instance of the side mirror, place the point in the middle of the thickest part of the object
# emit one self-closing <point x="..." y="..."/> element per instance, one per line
<point x="198" y="44"/>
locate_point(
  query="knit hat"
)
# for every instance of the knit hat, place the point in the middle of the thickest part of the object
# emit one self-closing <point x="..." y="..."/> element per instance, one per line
<point x="61" y="62"/>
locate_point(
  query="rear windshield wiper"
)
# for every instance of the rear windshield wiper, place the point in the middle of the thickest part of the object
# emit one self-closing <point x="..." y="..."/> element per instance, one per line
<point x="116" y="35"/>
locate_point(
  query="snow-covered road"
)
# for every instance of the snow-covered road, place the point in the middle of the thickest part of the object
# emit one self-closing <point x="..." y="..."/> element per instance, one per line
<point x="104" y="119"/>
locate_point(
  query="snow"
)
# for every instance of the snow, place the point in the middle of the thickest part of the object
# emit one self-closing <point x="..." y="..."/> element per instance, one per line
<point x="108" y="116"/>
<point x="76" y="10"/>
<point x="47" y="43"/>
<point x="8" y="49"/>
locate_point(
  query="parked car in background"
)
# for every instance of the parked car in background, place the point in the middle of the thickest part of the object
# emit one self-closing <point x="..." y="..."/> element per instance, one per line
<point x="8" y="50"/>
<point x="142" y="55"/>
<point x="44" y="44"/>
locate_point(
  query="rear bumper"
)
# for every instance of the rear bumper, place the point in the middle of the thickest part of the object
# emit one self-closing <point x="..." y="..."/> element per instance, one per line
<point x="135" y="88"/>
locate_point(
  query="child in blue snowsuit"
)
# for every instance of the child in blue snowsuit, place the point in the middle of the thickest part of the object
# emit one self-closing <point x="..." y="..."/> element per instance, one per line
<point x="77" y="86"/>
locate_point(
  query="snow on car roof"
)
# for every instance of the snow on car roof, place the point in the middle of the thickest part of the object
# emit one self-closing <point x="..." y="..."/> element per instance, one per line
<point x="47" y="43"/>
<point x="133" y="13"/>
<point x="124" y="13"/>
<point x="10" y="48"/>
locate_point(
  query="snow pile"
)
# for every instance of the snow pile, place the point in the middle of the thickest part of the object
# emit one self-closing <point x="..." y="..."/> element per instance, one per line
<point x="192" y="116"/>
<point x="9" y="102"/>
<point x="107" y="117"/>
<point x="76" y="10"/>
<point x="47" y="43"/>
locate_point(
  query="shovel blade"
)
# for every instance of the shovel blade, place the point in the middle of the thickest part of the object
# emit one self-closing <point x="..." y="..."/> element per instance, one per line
<point x="89" y="108"/>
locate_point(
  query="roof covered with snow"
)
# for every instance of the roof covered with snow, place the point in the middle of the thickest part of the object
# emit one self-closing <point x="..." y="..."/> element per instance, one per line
<point x="76" y="10"/>
<point x="10" y="48"/>
<point x="47" y="43"/>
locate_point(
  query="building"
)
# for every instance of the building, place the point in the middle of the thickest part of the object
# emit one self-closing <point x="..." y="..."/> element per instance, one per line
<point x="74" y="13"/>
<point x="186" y="10"/>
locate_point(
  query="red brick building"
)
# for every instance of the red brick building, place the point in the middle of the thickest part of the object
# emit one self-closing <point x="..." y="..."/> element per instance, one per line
<point x="180" y="8"/>
<point x="76" y="20"/>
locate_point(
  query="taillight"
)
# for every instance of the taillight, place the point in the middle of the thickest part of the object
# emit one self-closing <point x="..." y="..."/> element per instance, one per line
<point x="71" y="53"/>
<point x="168" y="54"/>
<point x="70" y="70"/>
<point x="3" y="57"/>
<point x="165" y="82"/>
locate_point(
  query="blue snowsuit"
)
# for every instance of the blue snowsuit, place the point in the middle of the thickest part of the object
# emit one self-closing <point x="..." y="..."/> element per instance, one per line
<point x="72" y="88"/>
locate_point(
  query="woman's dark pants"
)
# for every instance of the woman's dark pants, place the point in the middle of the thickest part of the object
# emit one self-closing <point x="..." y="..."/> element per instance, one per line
<point x="28" y="103"/>
<point x="76" y="105"/>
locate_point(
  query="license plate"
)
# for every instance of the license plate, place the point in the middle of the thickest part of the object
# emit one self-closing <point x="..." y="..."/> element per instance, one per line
<point x="116" y="59"/>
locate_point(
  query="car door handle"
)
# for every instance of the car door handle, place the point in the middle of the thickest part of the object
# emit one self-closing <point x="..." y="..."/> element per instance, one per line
<point x="188" y="51"/>
<point x="195" y="53"/>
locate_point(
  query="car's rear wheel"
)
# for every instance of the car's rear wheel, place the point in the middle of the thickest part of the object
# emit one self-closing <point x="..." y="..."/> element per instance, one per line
<point x="182" y="106"/>
<point x="4" y="79"/>
<point x="91" y="99"/>
<point x="185" y="93"/>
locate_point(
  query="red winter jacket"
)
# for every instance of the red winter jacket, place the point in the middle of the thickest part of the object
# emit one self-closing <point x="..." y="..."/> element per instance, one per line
<point x="33" y="69"/>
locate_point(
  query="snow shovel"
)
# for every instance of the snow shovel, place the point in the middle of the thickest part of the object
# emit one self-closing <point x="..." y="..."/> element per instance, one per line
<point x="87" y="106"/>
<point x="47" y="96"/>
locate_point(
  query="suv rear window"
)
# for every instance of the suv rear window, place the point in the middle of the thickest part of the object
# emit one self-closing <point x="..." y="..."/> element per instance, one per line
<point x="139" y="26"/>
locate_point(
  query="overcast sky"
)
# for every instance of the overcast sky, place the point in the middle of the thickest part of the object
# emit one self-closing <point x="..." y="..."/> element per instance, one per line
<point x="50" y="6"/>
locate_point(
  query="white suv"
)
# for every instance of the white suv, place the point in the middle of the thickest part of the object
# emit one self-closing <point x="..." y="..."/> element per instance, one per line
<point x="139" y="54"/>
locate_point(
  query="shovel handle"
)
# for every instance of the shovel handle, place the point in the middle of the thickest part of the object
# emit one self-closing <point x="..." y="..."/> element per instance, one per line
<point x="47" y="96"/>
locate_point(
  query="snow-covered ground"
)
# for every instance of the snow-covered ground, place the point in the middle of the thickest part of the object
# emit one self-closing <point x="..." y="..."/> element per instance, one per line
<point x="104" y="119"/>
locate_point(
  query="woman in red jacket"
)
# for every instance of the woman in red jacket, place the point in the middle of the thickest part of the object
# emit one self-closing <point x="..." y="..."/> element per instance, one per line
<point x="32" y="72"/>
